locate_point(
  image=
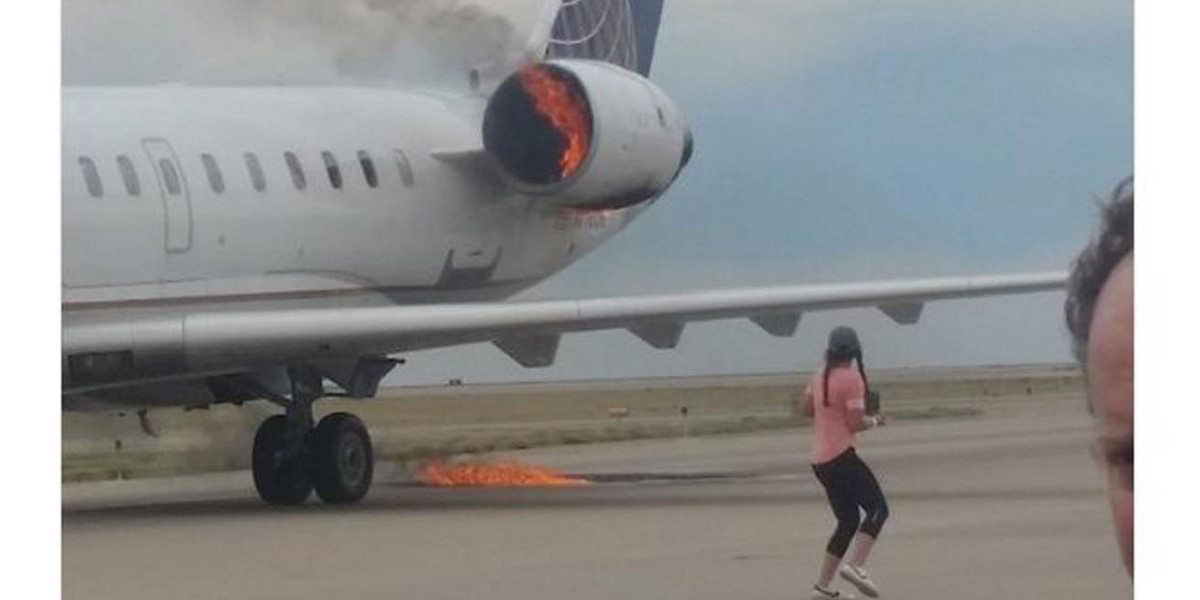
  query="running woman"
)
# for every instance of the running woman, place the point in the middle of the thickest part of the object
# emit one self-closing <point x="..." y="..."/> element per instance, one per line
<point x="836" y="400"/>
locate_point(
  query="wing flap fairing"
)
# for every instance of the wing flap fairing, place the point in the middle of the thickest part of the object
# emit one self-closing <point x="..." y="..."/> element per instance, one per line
<point x="662" y="335"/>
<point x="782" y="324"/>
<point x="904" y="313"/>
<point x="534" y="351"/>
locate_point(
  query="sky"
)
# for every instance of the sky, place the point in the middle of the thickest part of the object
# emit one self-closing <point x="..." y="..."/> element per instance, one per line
<point x="835" y="141"/>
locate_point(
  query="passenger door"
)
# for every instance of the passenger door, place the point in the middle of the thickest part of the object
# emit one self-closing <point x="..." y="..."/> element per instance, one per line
<point x="176" y="198"/>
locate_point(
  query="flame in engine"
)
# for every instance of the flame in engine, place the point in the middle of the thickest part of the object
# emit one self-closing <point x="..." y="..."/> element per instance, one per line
<point x="495" y="474"/>
<point x="565" y="110"/>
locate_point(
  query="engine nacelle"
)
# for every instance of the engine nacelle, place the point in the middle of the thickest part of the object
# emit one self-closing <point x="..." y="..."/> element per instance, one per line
<point x="585" y="134"/>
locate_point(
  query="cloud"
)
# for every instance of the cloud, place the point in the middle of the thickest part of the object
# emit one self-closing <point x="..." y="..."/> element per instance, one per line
<point x="755" y="39"/>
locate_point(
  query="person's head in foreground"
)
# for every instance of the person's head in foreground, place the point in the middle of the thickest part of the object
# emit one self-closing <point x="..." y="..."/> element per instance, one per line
<point x="1099" y="313"/>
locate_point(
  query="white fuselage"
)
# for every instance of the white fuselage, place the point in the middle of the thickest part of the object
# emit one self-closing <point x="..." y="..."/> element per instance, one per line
<point x="153" y="231"/>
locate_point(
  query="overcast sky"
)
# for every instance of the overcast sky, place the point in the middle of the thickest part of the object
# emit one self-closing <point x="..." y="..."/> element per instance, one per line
<point x="836" y="140"/>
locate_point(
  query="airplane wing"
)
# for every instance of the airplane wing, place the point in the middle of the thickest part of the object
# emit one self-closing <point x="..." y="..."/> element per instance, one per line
<point x="111" y="353"/>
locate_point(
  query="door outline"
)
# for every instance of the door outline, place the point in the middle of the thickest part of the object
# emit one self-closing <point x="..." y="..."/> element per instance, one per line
<point x="177" y="208"/>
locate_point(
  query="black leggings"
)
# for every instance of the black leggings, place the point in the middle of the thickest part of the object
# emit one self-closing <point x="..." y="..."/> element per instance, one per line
<point x="850" y="484"/>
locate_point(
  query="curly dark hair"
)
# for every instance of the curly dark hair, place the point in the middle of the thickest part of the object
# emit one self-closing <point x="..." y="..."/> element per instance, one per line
<point x="1093" y="266"/>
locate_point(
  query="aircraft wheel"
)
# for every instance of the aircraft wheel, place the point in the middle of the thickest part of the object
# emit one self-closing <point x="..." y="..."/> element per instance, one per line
<point x="340" y="460"/>
<point x="278" y="478"/>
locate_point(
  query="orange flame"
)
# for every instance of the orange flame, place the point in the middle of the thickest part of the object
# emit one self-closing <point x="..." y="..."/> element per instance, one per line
<point x="498" y="474"/>
<point x="565" y="110"/>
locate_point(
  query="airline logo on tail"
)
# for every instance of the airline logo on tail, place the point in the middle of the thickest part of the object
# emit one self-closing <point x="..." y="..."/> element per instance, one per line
<point x="621" y="32"/>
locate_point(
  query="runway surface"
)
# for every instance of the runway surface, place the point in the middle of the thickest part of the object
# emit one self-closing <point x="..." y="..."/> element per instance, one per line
<point x="1008" y="505"/>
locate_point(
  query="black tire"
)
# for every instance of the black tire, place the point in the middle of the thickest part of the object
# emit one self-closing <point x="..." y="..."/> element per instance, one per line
<point x="278" y="479"/>
<point x="341" y="462"/>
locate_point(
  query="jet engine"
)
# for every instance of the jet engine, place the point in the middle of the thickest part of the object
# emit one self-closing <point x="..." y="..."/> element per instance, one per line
<point x="585" y="134"/>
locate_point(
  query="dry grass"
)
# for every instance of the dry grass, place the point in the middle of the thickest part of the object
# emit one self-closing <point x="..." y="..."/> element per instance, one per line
<point x="420" y="424"/>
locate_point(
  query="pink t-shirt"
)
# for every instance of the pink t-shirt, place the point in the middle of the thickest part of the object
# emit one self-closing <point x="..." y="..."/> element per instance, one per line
<point x="831" y="435"/>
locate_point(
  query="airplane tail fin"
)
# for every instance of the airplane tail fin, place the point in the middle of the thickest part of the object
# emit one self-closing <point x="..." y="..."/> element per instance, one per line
<point x="621" y="32"/>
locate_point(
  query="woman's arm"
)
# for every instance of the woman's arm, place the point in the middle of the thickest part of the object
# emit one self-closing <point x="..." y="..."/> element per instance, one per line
<point x="856" y="405"/>
<point x="858" y="420"/>
<point x="804" y="407"/>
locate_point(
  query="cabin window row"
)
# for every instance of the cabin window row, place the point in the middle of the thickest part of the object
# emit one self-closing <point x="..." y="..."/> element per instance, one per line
<point x="172" y="180"/>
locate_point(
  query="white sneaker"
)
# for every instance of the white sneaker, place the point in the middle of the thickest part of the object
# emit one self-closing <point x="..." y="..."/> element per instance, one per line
<point x="859" y="578"/>
<point x="820" y="593"/>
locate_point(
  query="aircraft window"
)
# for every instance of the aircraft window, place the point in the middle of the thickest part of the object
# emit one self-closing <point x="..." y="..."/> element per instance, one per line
<point x="170" y="176"/>
<point x="368" y="168"/>
<point x="406" y="174"/>
<point x="256" y="173"/>
<point x="91" y="176"/>
<point x="132" y="185"/>
<point x="215" y="179"/>
<point x="296" y="169"/>
<point x="335" y="174"/>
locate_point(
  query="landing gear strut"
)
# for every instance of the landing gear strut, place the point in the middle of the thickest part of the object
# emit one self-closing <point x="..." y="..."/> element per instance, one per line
<point x="291" y="457"/>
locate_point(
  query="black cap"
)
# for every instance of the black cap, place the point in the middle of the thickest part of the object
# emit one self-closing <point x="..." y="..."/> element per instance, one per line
<point x="843" y="341"/>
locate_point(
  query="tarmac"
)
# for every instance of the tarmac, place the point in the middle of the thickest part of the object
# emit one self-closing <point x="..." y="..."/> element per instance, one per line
<point x="1006" y="505"/>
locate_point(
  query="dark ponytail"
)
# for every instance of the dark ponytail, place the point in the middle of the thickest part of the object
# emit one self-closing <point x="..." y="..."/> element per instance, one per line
<point x="825" y="378"/>
<point x="862" y="371"/>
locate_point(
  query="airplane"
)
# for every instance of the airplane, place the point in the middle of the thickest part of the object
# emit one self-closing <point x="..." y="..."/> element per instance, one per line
<point x="225" y="245"/>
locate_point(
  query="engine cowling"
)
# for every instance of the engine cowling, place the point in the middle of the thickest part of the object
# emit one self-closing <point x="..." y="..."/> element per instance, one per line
<point x="585" y="134"/>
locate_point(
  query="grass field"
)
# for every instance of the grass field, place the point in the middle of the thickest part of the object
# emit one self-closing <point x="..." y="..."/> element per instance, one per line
<point x="422" y="423"/>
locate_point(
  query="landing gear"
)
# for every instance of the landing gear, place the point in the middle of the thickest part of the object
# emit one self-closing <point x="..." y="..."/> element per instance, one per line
<point x="291" y="458"/>
<point x="340" y="460"/>
<point x="279" y="476"/>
